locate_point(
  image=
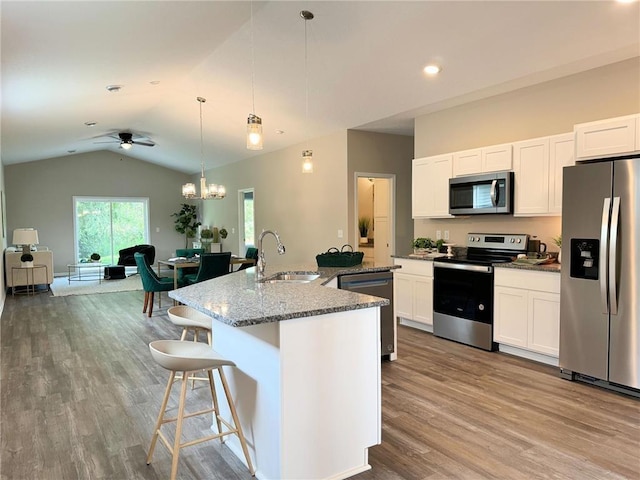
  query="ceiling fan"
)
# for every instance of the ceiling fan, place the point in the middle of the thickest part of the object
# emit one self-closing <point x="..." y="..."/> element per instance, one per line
<point x="126" y="140"/>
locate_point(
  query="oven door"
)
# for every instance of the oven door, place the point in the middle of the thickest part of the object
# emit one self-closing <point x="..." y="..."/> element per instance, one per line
<point x="463" y="291"/>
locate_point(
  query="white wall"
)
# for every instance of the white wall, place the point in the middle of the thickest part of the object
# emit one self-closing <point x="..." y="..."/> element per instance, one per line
<point x="307" y="210"/>
<point x="40" y="195"/>
<point x="544" y="109"/>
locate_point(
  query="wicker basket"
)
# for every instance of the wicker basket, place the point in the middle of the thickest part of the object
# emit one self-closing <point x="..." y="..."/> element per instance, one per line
<point x="339" y="258"/>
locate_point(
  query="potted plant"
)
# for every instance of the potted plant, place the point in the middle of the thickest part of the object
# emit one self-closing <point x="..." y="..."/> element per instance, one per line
<point x="422" y="245"/>
<point x="363" y="225"/>
<point x="26" y="260"/>
<point x="206" y="235"/>
<point x="558" y="241"/>
<point x="440" y="246"/>
<point x="186" y="222"/>
<point x="95" y="257"/>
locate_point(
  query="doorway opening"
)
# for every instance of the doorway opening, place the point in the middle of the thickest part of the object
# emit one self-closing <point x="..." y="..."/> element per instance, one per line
<point x="375" y="200"/>
<point x="246" y="218"/>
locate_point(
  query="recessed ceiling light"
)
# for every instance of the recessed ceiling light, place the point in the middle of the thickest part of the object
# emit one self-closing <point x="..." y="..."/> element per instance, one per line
<point x="279" y="132"/>
<point x="90" y="124"/>
<point x="114" y="88"/>
<point x="154" y="82"/>
<point x="432" y="69"/>
<point x="626" y="1"/>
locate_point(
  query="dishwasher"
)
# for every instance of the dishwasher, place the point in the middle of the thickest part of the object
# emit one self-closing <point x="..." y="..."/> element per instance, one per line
<point x="378" y="284"/>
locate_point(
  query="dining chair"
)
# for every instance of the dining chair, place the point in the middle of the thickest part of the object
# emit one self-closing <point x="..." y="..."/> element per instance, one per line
<point x="252" y="252"/>
<point x="151" y="282"/>
<point x="212" y="265"/>
<point x="187" y="253"/>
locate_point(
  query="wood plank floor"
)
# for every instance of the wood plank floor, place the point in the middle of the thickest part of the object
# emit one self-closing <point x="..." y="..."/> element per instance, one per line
<point x="79" y="396"/>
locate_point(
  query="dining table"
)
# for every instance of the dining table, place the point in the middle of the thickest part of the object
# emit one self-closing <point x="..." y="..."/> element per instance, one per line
<point x="179" y="263"/>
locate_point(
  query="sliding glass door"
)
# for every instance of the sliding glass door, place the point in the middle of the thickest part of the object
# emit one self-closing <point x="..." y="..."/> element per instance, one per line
<point x="107" y="225"/>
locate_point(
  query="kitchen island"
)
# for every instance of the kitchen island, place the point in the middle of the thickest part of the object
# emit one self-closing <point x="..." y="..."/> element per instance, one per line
<point x="307" y="382"/>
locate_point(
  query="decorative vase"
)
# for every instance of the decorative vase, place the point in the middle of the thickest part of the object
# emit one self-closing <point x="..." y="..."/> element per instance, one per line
<point x="26" y="264"/>
<point x="559" y="256"/>
<point x="364" y="240"/>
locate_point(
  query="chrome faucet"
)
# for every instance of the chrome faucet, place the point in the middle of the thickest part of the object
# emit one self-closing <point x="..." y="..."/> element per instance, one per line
<point x="261" y="260"/>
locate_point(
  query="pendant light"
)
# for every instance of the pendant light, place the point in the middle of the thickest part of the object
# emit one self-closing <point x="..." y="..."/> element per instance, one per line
<point x="307" y="155"/>
<point x="254" y="122"/>
<point x="211" y="192"/>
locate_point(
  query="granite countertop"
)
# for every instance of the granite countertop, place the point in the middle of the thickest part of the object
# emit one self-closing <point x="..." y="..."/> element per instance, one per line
<point x="238" y="300"/>
<point x="549" y="267"/>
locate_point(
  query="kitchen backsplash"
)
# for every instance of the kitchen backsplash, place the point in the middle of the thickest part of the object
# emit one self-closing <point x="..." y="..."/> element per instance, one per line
<point x="545" y="228"/>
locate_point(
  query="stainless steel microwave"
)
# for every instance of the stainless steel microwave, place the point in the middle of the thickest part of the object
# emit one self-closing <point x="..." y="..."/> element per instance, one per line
<point x="481" y="194"/>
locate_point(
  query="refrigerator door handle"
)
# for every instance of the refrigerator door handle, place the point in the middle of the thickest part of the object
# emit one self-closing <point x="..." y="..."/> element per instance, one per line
<point x="613" y="260"/>
<point x="604" y="231"/>
<point x="493" y="193"/>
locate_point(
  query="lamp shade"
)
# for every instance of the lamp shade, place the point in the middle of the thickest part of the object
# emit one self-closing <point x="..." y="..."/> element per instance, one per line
<point x="25" y="236"/>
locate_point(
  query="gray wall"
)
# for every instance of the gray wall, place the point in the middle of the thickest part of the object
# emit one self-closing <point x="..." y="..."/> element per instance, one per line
<point x="40" y="195"/>
<point x="382" y="153"/>
<point x="545" y="109"/>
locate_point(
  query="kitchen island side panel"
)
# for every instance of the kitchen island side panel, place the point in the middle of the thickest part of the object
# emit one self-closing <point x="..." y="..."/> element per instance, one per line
<point x="308" y="393"/>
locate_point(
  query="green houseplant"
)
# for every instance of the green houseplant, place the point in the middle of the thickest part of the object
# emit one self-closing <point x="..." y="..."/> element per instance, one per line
<point x="363" y="226"/>
<point x="206" y="235"/>
<point x="422" y="245"/>
<point x="186" y="222"/>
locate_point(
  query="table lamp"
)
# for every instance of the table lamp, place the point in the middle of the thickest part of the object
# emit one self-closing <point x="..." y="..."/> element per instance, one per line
<point x="25" y="237"/>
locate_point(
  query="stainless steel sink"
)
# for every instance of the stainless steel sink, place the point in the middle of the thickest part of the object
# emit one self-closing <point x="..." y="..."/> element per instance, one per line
<point x="292" y="277"/>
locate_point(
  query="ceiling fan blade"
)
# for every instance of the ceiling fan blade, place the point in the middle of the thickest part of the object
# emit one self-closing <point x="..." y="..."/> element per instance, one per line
<point x="110" y="141"/>
<point x="146" y="144"/>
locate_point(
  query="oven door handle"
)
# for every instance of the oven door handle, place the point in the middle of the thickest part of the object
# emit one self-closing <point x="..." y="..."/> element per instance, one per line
<point x="464" y="266"/>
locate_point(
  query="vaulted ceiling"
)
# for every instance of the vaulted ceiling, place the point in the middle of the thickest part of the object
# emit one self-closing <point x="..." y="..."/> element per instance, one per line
<point x="364" y="68"/>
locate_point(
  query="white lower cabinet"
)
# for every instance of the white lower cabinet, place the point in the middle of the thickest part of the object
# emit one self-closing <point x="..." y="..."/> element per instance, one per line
<point x="413" y="291"/>
<point x="527" y="310"/>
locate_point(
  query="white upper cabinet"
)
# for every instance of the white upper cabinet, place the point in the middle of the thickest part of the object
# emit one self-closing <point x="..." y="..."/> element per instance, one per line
<point x="482" y="160"/>
<point x="430" y="186"/>
<point x="467" y="162"/>
<point x="561" y="154"/>
<point x="614" y="136"/>
<point x="538" y="165"/>
<point x="497" y="158"/>
<point x="531" y="172"/>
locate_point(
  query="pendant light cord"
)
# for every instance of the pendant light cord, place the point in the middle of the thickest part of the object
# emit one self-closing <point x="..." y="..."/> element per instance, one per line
<point x="201" y="101"/>
<point x="253" y="67"/>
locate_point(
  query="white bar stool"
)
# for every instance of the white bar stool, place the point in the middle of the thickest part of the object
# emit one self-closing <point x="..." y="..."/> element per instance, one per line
<point x="190" y="319"/>
<point x="189" y="357"/>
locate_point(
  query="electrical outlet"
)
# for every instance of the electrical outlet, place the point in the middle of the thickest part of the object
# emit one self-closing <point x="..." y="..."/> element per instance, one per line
<point x="233" y="230"/>
<point x="438" y="234"/>
<point x="446" y="234"/>
<point x="340" y="234"/>
<point x="157" y="229"/>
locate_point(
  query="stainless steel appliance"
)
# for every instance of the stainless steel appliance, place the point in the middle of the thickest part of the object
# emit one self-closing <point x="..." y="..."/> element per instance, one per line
<point x="600" y="286"/>
<point x="481" y="194"/>
<point x="378" y="284"/>
<point x="463" y="288"/>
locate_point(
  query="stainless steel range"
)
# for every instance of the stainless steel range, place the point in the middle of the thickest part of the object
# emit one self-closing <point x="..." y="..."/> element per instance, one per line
<point x="463" y="288"/>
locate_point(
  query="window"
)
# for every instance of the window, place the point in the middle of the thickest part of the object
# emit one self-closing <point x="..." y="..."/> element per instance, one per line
<point x="107" y="225"/>
<point x="247" y="220"/>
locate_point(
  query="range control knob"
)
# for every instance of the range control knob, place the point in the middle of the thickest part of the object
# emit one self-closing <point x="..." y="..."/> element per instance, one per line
<point x="512" y="240"/>
<point x="477" y="239"/>
<point x="519" y="240"/>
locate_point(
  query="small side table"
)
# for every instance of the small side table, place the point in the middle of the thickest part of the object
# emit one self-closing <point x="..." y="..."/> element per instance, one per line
<point x="31" y="287"/>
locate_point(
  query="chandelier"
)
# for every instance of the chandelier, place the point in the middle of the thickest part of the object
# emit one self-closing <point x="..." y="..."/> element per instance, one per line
<point x="212" y="191"/>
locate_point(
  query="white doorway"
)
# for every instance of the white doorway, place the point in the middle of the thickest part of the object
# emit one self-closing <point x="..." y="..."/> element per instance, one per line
<point x="375" y="200"/>
<point x="246" y="220"/>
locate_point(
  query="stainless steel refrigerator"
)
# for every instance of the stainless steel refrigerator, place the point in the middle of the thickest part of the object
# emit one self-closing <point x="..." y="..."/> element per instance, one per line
<point x="600" y="288"/>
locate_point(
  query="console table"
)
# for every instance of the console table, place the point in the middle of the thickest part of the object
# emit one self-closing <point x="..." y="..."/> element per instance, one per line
<point x="30" y="284"/>
<point x="38" y="276"/>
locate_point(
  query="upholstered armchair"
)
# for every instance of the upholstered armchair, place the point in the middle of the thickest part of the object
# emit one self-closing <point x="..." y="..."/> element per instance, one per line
<point x="126" y="257"/>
